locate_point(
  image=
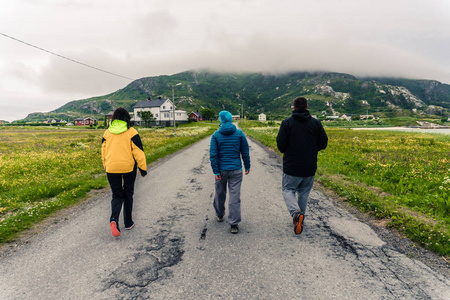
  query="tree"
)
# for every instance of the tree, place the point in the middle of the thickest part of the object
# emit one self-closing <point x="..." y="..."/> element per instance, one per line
<point x="146" y="116"/>
<point x="208" y="113"/>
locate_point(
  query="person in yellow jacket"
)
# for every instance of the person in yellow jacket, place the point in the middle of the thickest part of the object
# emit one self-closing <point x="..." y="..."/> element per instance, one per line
<point x="122" y="155"/>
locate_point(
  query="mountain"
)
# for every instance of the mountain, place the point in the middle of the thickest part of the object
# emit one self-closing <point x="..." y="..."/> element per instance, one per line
<point x="271" y="93"/>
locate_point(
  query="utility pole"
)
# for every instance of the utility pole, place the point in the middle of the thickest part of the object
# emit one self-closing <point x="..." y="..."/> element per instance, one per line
<point x="173" y="108"/>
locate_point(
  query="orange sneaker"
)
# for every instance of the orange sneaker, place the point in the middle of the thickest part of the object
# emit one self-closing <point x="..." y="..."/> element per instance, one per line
<point x="298" y="222"/>
<point x="115" y="231"/>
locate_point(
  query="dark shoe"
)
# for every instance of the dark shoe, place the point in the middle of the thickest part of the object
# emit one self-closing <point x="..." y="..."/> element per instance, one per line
<point x="220" y="218"/>
<point x="298" y="222"/>
<point x="234" y="229"/>
<point x="115" y="231"/>
<point x="130" y="227"/>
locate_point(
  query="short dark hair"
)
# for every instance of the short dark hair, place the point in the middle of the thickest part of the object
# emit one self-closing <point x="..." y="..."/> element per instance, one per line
<point x="300" y="103"/>
<point x="122" y="114"/>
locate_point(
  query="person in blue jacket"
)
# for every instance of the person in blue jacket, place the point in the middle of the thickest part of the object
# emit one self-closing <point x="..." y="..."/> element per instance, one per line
<point x="228" y="145"/>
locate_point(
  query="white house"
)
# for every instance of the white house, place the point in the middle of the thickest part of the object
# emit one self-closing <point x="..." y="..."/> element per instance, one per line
<point x="347" y="117"/>
<point x="367" y="117"/>
<point x="262" y="117"/>
<point x="162" y="111"/>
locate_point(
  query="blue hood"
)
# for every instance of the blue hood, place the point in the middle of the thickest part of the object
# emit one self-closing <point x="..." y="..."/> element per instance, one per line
<point x="226" y="126"/>
<point x="225" y="116"/>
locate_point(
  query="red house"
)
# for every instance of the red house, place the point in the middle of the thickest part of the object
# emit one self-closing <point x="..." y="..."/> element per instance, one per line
<point x="85" y="121"/>
<point x="196" y="116"/>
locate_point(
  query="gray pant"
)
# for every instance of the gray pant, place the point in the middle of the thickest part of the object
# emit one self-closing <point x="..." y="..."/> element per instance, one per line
<point x="234" y="180"/>
<point x="300" y="185"/>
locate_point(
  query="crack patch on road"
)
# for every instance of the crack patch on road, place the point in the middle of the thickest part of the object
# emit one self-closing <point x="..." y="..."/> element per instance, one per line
<point x="198" y="170"/>
<point x="205" y="229"/>
<point x="151" y="263"/>
<point x="195" y="186"/>
<point x="269" y="163"/>
<point x="343" y="242"/>
<point x="377" y="262"/>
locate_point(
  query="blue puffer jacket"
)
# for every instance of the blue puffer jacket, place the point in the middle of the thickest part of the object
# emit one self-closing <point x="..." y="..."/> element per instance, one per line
<point x="227" y="145"/>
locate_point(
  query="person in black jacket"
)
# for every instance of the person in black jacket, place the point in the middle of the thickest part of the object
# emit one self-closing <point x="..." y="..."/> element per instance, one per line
<point x="300" y="138"/>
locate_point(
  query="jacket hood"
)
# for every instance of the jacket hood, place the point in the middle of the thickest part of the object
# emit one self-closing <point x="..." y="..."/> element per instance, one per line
<point x="225" y="116"/>
<point x="118" y="126"/>
<point x="301" y="115"/>
<point x="226" y="126"/>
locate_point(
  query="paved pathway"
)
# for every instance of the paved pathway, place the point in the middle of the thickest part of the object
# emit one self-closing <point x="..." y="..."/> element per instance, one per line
<point x="179" y="251"/>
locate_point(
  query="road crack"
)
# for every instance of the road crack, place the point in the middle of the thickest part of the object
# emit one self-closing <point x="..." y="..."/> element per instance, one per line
<point x="151" y="263"/>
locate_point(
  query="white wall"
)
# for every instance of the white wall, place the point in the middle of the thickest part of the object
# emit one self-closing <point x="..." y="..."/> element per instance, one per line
<point x="163" y="113"/>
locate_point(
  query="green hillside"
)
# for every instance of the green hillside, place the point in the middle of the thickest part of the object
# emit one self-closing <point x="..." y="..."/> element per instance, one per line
<point x="271" y="94"/>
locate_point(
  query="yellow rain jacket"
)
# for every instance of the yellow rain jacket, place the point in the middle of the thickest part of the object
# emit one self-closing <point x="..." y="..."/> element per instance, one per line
<point x="122" y="149"/>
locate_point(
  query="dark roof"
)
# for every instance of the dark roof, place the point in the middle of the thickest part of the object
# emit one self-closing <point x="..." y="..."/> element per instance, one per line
<point x="150" y="103"/>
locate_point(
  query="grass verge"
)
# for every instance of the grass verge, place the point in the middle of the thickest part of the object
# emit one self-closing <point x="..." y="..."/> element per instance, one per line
<point x="400" y="177"/>
<point x="48" y="169"/>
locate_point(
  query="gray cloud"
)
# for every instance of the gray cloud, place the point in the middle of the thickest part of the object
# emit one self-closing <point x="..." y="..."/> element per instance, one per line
<point x="65" y="77"/>
<point x="407" y="38"/>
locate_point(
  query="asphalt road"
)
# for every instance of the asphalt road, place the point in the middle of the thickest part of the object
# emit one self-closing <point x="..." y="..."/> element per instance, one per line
<point x="178" y="250"/>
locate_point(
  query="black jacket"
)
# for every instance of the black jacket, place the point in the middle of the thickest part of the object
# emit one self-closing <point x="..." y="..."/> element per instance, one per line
<point x="300" y="138"/>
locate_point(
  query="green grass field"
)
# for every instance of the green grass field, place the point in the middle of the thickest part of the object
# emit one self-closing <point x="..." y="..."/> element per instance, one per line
<point x="46" y="169"/>
<point x="398" y="176"/>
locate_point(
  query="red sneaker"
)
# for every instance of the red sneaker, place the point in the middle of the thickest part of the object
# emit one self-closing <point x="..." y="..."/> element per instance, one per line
<point x="115" y="231"/>
<point x="298" y="222"/>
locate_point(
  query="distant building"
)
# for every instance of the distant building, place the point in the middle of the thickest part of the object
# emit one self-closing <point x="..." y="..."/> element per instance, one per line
<point x="108" y="118"/>
<point x="162" y="111"/>
<point x="236" y="117"/>
<point x="56" y="121"/>
<point x="196" y="116"/>
<point x="261" y="117"/>
<point x="347" y="117"/>
<point x="85" y="121"/>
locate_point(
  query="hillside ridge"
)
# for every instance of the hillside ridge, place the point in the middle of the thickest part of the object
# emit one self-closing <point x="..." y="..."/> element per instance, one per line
<point x="270" y="93"/>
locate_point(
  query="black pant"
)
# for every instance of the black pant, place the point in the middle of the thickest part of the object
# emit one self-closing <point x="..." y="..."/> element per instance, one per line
<point x="122" y="186"/>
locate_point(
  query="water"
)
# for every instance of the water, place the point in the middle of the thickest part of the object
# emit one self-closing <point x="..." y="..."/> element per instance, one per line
<point x="434" y="130"/>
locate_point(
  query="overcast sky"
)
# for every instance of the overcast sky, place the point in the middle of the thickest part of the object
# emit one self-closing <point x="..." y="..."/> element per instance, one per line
<point x="135" y="39"/>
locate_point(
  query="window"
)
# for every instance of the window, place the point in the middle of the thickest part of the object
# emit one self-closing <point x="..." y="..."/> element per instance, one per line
<point x="171" y="107"/>
<point x="166" y="115"/>
<point x="164" y="107"/>
<point x="156" y="115"/>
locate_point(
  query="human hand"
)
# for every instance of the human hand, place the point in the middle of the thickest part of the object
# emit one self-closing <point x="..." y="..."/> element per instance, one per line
<point x="218" y="177"/>
<point x="247" y="171"/>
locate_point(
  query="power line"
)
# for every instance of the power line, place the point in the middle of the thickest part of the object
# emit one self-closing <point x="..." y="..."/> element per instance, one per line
<point x="64" y="57"/>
